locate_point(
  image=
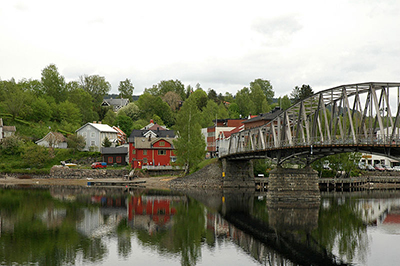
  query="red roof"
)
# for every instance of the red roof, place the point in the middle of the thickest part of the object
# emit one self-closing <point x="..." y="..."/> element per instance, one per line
<point x="392" y="219"/>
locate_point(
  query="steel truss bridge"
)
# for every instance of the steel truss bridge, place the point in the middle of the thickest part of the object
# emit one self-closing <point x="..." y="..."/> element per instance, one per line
<point x="362" y="117"/>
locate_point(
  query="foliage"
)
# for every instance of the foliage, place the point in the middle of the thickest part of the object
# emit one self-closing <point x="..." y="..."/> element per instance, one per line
<point x="200" y="97"/>
<point x="11" y="145"/>
<point x="284" y="102"/>
<point x="76" y="142"/>
<point x="106" y="142"/>
<point x="109" y="118"/>
<point x="53" y="83"/>
<point x="262" y="166"/>
<point x="131" y="110"/>
<point x="150" y="105"/>
<point x="96" y="86"/>
<point x="300" y="93"/>
<point x="244" y="102"/>
<point x="35" y="155"/>
<point x="125" y="123"/>
<point x="166" y="86"/>
<point x="265" y="87"/>
<point x="173" y="100"/>
<point x="125" y="89"/>
<point x="190" y="145"/>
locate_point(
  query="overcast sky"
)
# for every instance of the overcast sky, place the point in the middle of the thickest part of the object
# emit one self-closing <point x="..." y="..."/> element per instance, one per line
<point x="223" y="45"/>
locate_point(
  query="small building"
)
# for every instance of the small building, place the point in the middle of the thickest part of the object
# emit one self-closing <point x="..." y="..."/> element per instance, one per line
<point x="6" y="131"/>
<point x="53" y="140"/>
<point x="121" y="136"/>
<point x="116" y="104"/>
<point x="114" y="155"/>
<point x="94" y="135"/>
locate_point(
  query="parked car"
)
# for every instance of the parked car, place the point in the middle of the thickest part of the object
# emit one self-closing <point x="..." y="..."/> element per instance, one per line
<point x="370" y="167"/>
<point x="396" y="168"/>
<point x="361" y="166"/>
<point x="379" y="167"/>
<point x="97" y="165"/>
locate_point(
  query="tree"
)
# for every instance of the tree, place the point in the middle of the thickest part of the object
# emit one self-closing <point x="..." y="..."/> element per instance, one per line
<point x="67" y="111"/>
<point x="266" y="88"/>
<point x="106" y="142"/>
<point x="76" y="142"/>
<point x="244" y="102"/>
<point x="131" y="110"/>
<point x="212" y="95"/>
<point x="15" y="98"/>
<point x="234" y="111"/>
<point x="84" y="101"/>
<point x="109" y="118"/>
<point x="35" y="155"/>
<point x="300" y="93"/>
<point x="96" y="86"/>
<point x="124" y="122"/>
<point x="258" y="98"/>
<point x="173" y="100"/>
<point x="200" y="98"/>
<point x="150" y="105"/>
<point x="284" y="102"/>
<point x="126" y="89"/>
<point x="53" y="83"/>
<point x="166" y="86"/>
<point x="190" y="145"/>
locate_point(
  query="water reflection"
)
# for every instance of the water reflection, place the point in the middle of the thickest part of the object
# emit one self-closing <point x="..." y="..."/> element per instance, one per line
<point x="82" y="226"/>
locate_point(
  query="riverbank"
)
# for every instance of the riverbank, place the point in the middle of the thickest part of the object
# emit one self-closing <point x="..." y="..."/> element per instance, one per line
<point x="148" y="182"/>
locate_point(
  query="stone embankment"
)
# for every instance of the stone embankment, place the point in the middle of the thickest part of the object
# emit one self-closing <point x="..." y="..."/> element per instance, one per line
<point x="209" y="176"/>
<point x="59" y="171"/>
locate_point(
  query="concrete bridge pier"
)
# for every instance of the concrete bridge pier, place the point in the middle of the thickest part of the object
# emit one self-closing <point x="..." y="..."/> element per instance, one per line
<point x="237" y="173"/>
<point x="289" y="186"/>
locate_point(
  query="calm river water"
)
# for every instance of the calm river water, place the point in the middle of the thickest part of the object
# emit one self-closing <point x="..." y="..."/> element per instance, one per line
<point x="91" y="226"/>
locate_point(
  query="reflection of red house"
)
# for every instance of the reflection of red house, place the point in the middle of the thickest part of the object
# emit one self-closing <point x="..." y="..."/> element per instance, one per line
<point x="159" y="209"/>
<point x="392" y="219"/>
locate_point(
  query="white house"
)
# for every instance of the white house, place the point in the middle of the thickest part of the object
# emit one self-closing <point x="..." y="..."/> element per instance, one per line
<point x="54" y="140"/>
<point x="95" y="134"/>
<point x="6" y="131"/>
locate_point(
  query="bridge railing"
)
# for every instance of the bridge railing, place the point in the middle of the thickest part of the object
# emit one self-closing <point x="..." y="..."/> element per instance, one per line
<point x="242" y="145"/>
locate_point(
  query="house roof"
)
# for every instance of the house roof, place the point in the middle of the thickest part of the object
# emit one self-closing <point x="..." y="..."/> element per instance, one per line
<point x="161" y="134"/>
<point x="99" y="127"/>
<point x="115" y="102"/>
<point x="147" y="143"/>
<point x="57" y="137"/>
<point x="9" y="129"/>
<point x="119" y="131"/>
<point x="266" y="116"/>
<point x="114" y="150"/>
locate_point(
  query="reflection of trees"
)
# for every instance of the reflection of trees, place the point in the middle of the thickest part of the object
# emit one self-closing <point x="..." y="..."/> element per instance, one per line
<point x="28" y="236"/>
<point x="186" y="235"/>
<point x="340" y="225"/>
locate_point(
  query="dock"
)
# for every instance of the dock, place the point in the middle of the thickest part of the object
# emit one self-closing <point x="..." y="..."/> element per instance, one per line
<point x="114" y="183"/>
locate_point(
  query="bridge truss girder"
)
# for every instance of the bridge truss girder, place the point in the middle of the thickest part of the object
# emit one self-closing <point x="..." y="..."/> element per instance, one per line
<point x="341" y="119"/>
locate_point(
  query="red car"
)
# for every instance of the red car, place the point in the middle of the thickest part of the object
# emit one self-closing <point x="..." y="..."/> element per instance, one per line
<point x="379" y="167"/>
<point x="99" y="165"/>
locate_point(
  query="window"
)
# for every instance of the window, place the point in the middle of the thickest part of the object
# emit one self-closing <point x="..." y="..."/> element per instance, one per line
<point x="93" y="143"/>
<point x="110" y="160"/>
<point x="119" y="160"/>
<point x="162" y="152"/>
<point x="84" y="134"/>
<point x="133" y="151"/>
<point x="144" y="160"/>
<point x="92" y="135"/>
<point x="162" y="143"/>
<point x="144" y="152"/>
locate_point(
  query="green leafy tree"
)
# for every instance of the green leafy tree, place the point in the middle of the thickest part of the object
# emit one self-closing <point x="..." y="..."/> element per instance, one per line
<point x="11" y="145"/>
<point x="266" y="88"/>
<point x="212" y="95"/>
<point x="150" y="105"/>
<point x="41" y="110"/>
<point x="53" y="83"/>
<point x="244" y="102"/>
<point x="190" y="144"/>
<point x="15" y="98"/>
<point x="96" y="86"/>
<point x="258" y="98"/>
<point x="200" y="97"/>
<point x="300" y="93"/>
<point x="67" y="111"/>
<point x="166" y="86"/>
<point x="125" y="89"/>
<point x="35" y="155"/>
<point x="209" y="113"/>
<point x="124" y="122"/>
<point x="109" y="118"/>
<point x="106" y="142"/>
<point x="76" y="142"/>
<point x="234" y="111"/>
<point x="131" y="110"/>
<point x="84" y="101"/>
<point x="284" y="102"/>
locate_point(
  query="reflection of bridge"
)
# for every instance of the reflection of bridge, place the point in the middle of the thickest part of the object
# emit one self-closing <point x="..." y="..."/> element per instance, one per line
<point x="359" y="117"/>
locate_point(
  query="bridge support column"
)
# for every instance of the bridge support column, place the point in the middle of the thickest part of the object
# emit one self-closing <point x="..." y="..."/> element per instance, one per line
<point x="237" y="173"/>
<point x="289" y="186"/>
